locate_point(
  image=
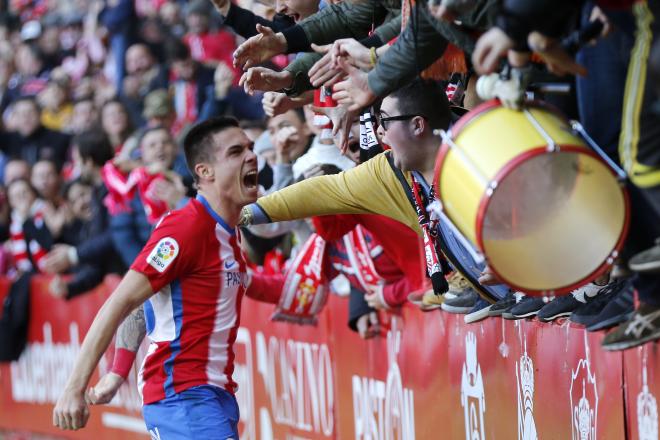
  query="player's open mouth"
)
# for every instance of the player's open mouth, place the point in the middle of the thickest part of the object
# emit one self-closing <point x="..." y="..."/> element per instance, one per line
<point x="296" y="17"/>
<point x="250" y="180"/>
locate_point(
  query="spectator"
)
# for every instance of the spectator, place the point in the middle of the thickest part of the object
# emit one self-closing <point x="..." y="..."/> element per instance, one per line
<point x="30" y="77"/>
<point x="83" y="116"/>
<point x="207" y="47"/>
<point x="91" y="150"/>
<point x="116" y="124"/>
<point x="30" y="140"/>
<point x="144" y="75"/>
<point x="16" y="169"/>
<point x="86" y="276"/>
<point x="46" y="181"/>
<point x="193" y="87"/>
<point x="56" y="110"/>
<point x="30" y="239"/>
<point x="147" y="193"/>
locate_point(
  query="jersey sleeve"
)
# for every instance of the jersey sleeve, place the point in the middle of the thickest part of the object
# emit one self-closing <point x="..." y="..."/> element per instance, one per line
<point x="167" y="254"/>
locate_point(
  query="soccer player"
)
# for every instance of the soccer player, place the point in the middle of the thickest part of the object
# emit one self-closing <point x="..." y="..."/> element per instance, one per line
<point x="191" y="277"/>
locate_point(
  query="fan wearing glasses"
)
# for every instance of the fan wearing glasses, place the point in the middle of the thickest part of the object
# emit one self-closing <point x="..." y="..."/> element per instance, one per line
<point x="382" y="185"/>
<point x="407" y="120"/>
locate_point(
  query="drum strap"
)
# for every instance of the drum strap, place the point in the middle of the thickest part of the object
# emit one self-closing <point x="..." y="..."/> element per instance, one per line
<point x="430" y="233"/>
<point x="434" y="264"/>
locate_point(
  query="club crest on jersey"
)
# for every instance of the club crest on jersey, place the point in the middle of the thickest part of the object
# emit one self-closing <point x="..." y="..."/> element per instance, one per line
<point x="163" y="254"/>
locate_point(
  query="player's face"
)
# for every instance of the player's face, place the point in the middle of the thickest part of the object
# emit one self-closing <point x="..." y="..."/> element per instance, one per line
<point x="235" y="167"/>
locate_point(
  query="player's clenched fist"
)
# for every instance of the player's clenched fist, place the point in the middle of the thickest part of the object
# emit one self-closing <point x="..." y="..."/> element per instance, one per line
<point x="71" y="411"/>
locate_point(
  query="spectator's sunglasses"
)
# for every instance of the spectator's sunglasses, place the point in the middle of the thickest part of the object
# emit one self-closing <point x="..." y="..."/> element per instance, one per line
<point x="384" y="121"/>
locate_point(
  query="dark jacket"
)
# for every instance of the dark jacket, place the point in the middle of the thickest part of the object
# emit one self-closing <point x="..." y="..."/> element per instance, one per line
<point x="42" y="144"/>
<point x="130" y="231"/>
<point x="244" y="22"/>
<point x="94" y="246"/>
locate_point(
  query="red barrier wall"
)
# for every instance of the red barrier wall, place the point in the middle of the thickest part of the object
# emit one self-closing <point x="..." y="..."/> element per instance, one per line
<point x="429" y="376"/>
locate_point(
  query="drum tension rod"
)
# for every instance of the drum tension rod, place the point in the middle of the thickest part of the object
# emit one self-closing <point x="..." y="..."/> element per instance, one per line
<point x="552" y="146"/>
<point x="579" y="129"/>
<point x="446" y="138"/>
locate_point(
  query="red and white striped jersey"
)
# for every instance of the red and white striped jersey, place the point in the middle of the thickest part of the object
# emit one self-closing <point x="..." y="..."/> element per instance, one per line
<point x="194" y="264"/>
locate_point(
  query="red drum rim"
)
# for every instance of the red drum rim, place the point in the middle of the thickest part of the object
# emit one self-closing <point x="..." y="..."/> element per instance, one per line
<point x="512" y="165"/>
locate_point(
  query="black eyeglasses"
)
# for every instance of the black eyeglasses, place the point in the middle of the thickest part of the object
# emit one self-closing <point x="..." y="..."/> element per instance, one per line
<point x="384" y="121"/>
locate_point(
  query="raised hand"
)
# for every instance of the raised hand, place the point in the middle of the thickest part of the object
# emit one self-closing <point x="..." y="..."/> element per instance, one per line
<point x="259" y="48"/>
<point x="353" y="92"/>
<point x="341" y="119"/>
<point x="324" y="72"/>
<point x="264" y="79"/>
<point x="490" y="48"/>
<point x="277" y="103"/>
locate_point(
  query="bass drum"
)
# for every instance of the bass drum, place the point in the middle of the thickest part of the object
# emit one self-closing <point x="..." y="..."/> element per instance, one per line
<point x="545" y="210"/>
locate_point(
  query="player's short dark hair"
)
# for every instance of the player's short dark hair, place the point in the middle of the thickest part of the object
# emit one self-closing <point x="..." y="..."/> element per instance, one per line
<point x="94" y="145"/>
<point x="425" y="98"/>
<point x="198" y="143"/>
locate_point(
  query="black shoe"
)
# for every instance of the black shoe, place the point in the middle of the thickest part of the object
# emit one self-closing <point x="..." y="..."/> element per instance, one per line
<point x="478" y="312"/>
<point x="526" y="308"/>
<point x="642" y="327"/>
<point x="565" y="305"/>
<point x="462" y="303"/>
<point x="619" y="309"/>
<point x="587" y="313"/>
<point x="503" y="305"/>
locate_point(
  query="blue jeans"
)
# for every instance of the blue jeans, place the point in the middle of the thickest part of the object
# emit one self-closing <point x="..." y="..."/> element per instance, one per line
<point x="202" y="412"/>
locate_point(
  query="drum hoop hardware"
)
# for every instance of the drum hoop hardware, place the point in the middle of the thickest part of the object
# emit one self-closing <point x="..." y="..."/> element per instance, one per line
<point x="436" y="208"/>
<point x="579" y="129"/>
<point x="552" y="146"/>
<point x="446" y="138"/>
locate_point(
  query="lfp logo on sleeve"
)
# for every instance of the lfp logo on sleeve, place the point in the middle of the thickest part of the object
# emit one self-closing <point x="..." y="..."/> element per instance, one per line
<point x="163" y="254"/>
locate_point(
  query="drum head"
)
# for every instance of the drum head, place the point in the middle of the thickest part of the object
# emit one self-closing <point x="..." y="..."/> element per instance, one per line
<point x="553" y="220"/>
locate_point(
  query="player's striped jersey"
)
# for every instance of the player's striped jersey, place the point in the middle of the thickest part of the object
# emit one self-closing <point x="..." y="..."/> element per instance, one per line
<point x="194" y="263"/>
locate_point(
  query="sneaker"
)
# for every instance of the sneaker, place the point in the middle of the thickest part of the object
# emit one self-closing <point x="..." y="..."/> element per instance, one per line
<point x="526" y="308"/>
<point x="426" y="301"/>
<point x="642" y="327"/>
<point x="478" y="312"/>
<point x="586" y="313"/>
<point x="647" y="261"/>
<point x="503" y="305"/>
<point x="566" y="304"/>
<point x="463" y="303"/>
<point x="458" y="284"/>
<point x="619" y="309"/>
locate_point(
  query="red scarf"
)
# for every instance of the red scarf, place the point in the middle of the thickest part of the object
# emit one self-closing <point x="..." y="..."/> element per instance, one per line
<point x="305" y="291"/>
<point x="359" y="255"/>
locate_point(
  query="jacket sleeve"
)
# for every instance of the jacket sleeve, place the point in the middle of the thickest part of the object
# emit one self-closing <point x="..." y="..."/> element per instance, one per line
<point x="95" y="248"/>
<point x="396" y="293"/>
<point x="345" y="20"/>
<point x="244" y="22"/>
<point x="301" y="65"/>
<point x="412" y="50"/>
<point x="86" y="277"/>
<point x="125" y="237"/>
<point x="371" y="187"/>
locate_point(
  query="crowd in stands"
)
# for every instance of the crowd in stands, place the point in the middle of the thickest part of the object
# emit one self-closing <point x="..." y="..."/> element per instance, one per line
<point x="96" y="97"/>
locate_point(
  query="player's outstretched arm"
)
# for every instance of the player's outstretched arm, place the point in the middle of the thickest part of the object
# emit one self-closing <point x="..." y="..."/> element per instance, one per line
<point x="130" y="335"/>
<point x="71" y="410"/>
